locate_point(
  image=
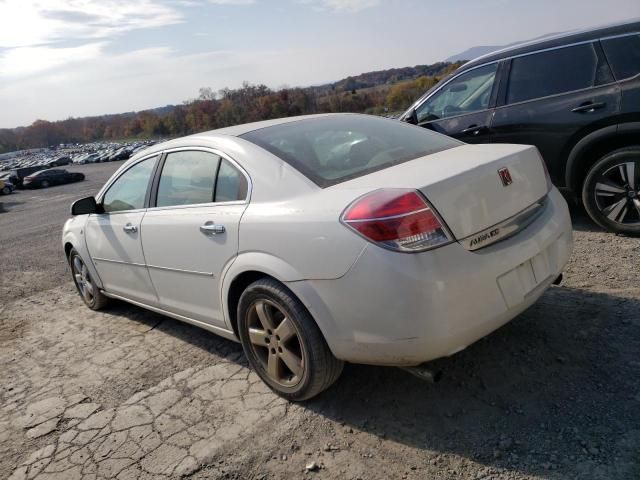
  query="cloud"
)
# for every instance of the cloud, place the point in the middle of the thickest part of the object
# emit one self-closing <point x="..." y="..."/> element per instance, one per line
<point x="350" y="6"/>
<point x="23" y="61"/>
<point x="28" y="23"/>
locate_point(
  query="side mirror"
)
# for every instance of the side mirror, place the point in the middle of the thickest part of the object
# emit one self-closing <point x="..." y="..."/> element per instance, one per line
<point x="85" y="206"/>
<point x="411" y="117"/>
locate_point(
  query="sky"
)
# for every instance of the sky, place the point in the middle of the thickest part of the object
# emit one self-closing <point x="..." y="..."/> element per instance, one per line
<point x="73" y="58"/>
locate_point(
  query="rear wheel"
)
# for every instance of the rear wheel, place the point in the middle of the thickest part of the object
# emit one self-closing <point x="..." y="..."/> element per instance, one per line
<point x="611" y="191"/>
<point x="6" y="190"/>
<point x="89" y="291"/>
<point x="44" y="183"/>
<point x="283" y="343"/>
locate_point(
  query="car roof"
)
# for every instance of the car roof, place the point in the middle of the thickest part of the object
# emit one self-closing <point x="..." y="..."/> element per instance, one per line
<point x="554" y="41"/>
<point x="234" y="131"/>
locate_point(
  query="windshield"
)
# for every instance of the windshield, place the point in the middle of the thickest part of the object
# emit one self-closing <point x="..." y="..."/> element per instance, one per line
<point x="333" y="149"/>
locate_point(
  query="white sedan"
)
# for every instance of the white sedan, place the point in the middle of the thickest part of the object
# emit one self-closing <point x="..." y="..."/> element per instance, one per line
<point x="323" y="239"/>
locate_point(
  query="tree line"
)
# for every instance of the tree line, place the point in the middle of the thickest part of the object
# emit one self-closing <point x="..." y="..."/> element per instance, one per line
<point x="211" y="110"/>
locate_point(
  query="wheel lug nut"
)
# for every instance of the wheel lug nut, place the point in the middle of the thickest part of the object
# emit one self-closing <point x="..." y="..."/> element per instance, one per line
<point x="273" y="351"/>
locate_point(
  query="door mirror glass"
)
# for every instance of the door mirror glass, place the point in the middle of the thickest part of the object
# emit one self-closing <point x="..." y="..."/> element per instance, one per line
<point x="84" y="206"/>
<point x="467" y="93"/>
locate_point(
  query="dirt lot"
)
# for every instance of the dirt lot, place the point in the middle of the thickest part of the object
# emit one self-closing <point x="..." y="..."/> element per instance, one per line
<point x="132" y="394"/>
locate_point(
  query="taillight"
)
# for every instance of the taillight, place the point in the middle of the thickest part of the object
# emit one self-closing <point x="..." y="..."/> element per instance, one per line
<point x="396" y="219"/>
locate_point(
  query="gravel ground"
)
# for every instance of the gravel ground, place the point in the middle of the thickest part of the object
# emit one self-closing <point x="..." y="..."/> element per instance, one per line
<point x="131" y="394"/>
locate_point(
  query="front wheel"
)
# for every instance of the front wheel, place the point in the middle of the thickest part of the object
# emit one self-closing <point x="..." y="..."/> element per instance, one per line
<point x="611" y="191"/>
<point x="6" y="190"/>
<point x="282" y="342"/>
<point x="87" y="288"/>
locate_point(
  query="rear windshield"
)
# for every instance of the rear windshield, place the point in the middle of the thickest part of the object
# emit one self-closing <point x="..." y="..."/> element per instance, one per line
<point x="330" y="150"/>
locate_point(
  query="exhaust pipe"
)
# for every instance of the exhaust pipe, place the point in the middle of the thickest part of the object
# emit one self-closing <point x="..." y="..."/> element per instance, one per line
<point x="424" y="373"/>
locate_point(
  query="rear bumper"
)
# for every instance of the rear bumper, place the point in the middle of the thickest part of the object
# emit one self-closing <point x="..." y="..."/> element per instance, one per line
<point x="404" y="309"/>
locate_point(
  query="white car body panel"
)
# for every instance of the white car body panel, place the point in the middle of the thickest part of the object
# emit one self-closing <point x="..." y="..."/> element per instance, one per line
<point x="372" y="305"/>
<point x="186" y="265"/>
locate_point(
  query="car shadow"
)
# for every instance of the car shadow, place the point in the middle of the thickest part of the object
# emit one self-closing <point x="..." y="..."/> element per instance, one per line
<point x="5" y="206"/>
<point x="534" y="397"/>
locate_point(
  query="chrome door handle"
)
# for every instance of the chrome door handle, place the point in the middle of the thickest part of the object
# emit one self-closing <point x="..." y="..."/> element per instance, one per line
<point x="211" y="228"/>
<point x="589" y="107"/>
<point x="475" y="130"/>
<point x="130" y="228"/>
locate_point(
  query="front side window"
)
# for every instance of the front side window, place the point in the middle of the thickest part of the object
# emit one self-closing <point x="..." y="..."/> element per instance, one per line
<point x="554" y="72"/>
<point x="623" y="54"/>
<point x="470" y="92"/>
<point x="336" y="148"/>
<point x="231" y="184"/>
<point x="129" y="190"/>
<point x="187" y="178"/>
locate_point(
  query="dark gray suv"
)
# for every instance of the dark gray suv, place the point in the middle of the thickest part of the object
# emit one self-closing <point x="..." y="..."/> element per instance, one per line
<point x="575" y="96"/>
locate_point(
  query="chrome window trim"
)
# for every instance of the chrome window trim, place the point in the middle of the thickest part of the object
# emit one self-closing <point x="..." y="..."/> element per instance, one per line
<point x="505" y="229"/>
<point x="159" y="154"/>
<point x="420" y="102"/>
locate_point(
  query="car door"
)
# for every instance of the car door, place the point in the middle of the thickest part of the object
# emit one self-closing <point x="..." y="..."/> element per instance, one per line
<point x="114" y="237"/>
<point x="191" y="234"/>
<point x="553" y="98"/>
<point x="461" y="108"/>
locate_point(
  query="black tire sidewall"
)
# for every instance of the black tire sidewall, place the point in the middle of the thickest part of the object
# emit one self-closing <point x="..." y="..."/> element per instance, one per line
<point x="72" y="254"/>
<point x="588" y="189"/>
<point x="293" y="308"/>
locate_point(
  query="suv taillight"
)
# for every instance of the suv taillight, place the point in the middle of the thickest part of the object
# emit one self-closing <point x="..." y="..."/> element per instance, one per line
<point x="396" y="219"/>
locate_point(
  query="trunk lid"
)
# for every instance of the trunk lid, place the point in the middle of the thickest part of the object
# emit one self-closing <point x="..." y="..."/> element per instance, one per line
<point x="464" y="184"/>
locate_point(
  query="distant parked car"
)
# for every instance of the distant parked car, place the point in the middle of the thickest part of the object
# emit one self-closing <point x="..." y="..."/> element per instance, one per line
<point x="576" y="97"/>
<point x="54" y="176"/>
<point x="18" y="176"/>
<point x="59" y="162"/>
<point x="6" y="187"/>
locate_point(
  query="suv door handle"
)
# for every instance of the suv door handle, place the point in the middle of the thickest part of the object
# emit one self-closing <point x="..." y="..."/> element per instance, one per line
<point x="211" y="228"/>
<point x="130" y="228"/>
<point x="475" y="130"/>
<point x="589" y="107"/>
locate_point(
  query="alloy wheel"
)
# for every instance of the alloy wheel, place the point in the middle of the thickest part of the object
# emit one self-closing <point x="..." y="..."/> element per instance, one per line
<point x="83" y="279"/>
<point x="617" y="193"/>
<point x="275" y="343"/>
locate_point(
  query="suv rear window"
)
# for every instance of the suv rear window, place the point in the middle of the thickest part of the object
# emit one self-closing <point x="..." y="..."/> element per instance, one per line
<point x="333" y="149"/>
<point x="554" y="72"/>
<point x="623" y="54"/>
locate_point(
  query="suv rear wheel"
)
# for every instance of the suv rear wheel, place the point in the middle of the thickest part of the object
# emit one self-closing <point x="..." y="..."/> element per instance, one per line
<point x="611" y="191"/>
<point x="283" y="343"/>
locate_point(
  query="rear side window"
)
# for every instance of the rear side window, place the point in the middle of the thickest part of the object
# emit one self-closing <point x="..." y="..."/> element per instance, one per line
<point x="623" y="54"/>
<point x="187" y="178"/>
<point x="231" y="185"/>
<point x="555" y="72"/>
<point x="336" y="148"/>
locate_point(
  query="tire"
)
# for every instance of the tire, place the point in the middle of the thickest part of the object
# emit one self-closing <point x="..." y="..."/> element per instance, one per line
<point x="87" y="288"/>
<point x="610" y="196"/>
<point x="6" y="190"/>
<point x="270" y="354"/>
<point x="44" y="183"/>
